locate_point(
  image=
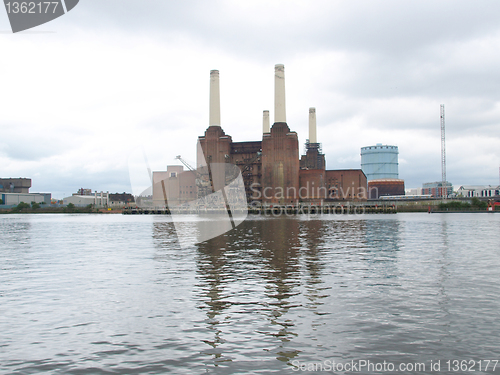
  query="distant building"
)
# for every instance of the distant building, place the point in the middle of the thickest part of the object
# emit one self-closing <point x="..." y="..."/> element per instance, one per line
<point x="479" y="191"/>
<point x="13" y="199"/>
<point x="175" y="186"/>
<point x="16" y="190"/>
<point x="380" y="161"/>
<point x="436" y="189"/>
<point x="83" y="191"/>
<point x="316" y="185"/>
<point x="272" y="170"/>
<point x="414" y="191"/>
<point x="15" y="185"/>
<point x="121" y="200"/>
<point x="385" y="187"/>
<point x="97" y="200"/>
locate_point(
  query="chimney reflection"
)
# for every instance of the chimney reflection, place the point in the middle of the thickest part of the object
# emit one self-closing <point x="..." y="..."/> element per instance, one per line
<point x="266" y="271"/>
<point x="214" y="274"/>
<point x="280" y="251"/>
<point x="312" y="234"/>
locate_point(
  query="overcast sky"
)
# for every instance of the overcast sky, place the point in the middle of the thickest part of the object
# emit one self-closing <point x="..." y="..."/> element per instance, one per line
<point x="82" y="94"/>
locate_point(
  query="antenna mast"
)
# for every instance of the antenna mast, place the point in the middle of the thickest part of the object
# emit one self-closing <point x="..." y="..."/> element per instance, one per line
<point x="444" y="191"/>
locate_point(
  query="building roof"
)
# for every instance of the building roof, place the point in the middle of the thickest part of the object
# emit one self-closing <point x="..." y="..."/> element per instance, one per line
<point x="121" y="197"/>
<point x="387" y="180"/>
<point x="479" y="187"/>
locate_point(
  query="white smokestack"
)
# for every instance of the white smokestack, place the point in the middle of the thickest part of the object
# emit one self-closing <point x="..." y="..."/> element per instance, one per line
<point x="312" y="126"/>
<point x="266" y="127"/>
<point x="214" y="98"/>
<point x="279" y="93"/>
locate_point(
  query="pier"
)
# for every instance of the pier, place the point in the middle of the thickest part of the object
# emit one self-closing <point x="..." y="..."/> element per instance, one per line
<point x="274" y="210"/>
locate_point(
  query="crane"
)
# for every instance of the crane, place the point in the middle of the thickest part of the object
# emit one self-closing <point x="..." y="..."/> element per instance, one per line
<point x="444" y="188"/>
<point x="202" y="179"/>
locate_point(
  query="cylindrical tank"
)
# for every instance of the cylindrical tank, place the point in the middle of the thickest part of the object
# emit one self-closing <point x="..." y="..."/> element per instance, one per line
<point x="385" y="186"/>
<point x="380" y="161"/>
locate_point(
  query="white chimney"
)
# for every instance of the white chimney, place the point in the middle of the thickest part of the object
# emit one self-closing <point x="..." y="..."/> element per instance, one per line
<point x="312" y="126"/>
<point x="279" y="93"/>
<point x="266" y="127"/>
<point x="214" y="98"/>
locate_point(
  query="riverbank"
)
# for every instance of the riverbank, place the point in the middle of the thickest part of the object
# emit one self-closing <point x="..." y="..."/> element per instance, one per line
<point x="370" y="207"/>
<point x="59" y="210"/>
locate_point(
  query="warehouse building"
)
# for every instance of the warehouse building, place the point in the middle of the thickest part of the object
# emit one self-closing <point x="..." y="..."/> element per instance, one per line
<point x="85" y="197"/>
<point x="478" y="191"/>
<point x="17" y="190"/>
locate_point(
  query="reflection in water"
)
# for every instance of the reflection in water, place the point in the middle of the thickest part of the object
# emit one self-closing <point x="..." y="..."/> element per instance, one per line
<point x="381" y="247"/>
<point x="280" y="250"/>
<point x="255" y="273"/>
<point x="17" y="234"/>
<point x="312" y="236"/>
<point x="165" y="239"/>
<point x="212" y="268"/>
<point x="104" y="294"/>
<point x="442" y="277"/>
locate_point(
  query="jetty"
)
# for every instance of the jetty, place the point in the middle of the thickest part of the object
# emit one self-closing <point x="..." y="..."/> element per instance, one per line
<point x="271" y="209"/>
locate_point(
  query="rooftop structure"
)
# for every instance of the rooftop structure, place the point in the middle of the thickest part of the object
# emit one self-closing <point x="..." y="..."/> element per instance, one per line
<point x="15" y="185"/>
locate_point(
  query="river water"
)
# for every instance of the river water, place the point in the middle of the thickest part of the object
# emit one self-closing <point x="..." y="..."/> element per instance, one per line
<point x="116" y="294"/>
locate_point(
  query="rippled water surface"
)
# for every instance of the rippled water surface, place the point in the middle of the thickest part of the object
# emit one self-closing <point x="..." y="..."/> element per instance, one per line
<point x="113" y="294"/>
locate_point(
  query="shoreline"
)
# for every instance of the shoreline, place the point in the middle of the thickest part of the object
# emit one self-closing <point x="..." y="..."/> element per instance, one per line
<point x="163" y="212"/>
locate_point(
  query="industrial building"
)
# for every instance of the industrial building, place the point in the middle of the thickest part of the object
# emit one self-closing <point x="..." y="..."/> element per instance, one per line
<point x="380" y="162"/>
<point x="120" y="200"/>
<point x="16" y="190"/>
<point x="436" y="189"/>
<point x="85" y="197"/>
<point x="273" y="171"/>
<point x="380" y="165"/>
<point x="176" y="184"/>
<point x="478" y="191"/>
<point x="15" y="185"/>
<point x="13" y="199"/>
<point x="385" y="187"/>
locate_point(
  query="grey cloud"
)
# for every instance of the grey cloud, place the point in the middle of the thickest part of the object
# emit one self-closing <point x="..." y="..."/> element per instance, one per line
<point x="389" y="27"/>
<point x="32" y="142"/>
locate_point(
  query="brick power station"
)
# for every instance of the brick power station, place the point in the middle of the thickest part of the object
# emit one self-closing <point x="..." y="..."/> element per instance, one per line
<point x="273" y="172"/>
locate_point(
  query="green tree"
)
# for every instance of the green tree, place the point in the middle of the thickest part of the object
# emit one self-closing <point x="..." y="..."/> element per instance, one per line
<point x="21" y="206"/>
<point x="35" y="206"/>
<point x="1" y="201"/>
<point x="454" y="206"/>
<point x="480" y="205"/>
<point x="70" y="207"/>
